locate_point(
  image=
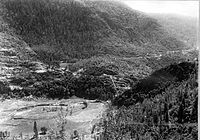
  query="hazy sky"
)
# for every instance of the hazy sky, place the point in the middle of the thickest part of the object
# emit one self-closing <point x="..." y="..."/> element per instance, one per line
<point x="186" y="8"/>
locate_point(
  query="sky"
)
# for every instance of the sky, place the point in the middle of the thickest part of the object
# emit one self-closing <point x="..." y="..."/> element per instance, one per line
<point x="185" y="8"/>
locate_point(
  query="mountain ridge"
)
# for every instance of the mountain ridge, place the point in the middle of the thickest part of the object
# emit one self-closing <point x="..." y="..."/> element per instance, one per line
<point x="102" y="34"/>
<point x="101" y="27"/>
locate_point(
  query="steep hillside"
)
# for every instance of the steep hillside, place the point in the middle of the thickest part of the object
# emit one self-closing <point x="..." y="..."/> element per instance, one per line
<point x="158" y="82"/>
<point x="16" y="56"/>
<point x="172" y="113"/>
<point x="107" y="53"/>
<point x="86" y="33"/>
<point x="183" y="27"/>
<point x="81" y="29"/>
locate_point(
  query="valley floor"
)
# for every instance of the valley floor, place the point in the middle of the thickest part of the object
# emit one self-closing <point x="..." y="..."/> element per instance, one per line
<point x="18" y="116"/>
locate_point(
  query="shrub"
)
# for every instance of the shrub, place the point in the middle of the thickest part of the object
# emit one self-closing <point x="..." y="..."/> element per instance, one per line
<point x="94" y="87"/>
<point x="4" y="89"/>
<point x="43" y="130"/>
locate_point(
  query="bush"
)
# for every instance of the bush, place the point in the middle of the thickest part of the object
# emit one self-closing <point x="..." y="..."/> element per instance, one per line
<point x="4" y="89"/>
<point x="94" y="87"/>
<point x="43" y="130"/>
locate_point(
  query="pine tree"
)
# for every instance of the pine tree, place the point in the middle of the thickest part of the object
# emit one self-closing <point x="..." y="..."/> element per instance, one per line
<point x="35" y="130"/>
<point x="181" y="106"/>
<point x="160" y="118"/>
<point x="194" y="114"/>
<point x="62" y="131"/>
<point x="166" y="109"/>
<point x="180" y="114"/>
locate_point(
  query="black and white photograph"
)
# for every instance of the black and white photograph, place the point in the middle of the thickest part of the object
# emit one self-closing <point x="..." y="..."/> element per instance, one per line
<point x="99" y="69"/>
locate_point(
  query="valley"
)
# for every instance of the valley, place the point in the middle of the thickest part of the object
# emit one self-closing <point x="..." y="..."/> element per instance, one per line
<point x="97" y="67"/>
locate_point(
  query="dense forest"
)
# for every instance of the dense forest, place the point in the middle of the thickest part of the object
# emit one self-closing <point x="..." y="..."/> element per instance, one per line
<point x="165" y="112"/>
<point x="101" y="27"/>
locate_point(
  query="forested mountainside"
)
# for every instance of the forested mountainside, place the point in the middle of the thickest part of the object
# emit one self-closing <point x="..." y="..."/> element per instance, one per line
<point x="81" y="29"/>
<point x="183" y="27"/>
<point x="15" y="53"/>
<point x="86" y="34"/>
<point x="161" y="106"/>
<point x="140" y="70"/>
<point x="158" y="82"/>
